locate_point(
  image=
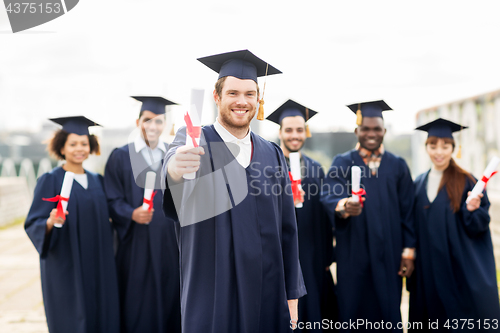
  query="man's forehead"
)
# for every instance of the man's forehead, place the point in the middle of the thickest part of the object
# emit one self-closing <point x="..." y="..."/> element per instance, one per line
<point x="295" y="121"/>
<point x="372" y="122"/>
<point x="233" y="83"/>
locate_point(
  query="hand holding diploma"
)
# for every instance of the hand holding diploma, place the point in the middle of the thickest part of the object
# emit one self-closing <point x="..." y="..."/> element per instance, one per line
<point x="62" y="201"/>
<point x="295" y="177"/>
<point x="481" y="184"/>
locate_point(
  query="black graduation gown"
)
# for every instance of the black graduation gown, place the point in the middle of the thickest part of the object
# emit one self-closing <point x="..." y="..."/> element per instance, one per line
<point x="455" y="276"/>
<point x="369" y="246"/>
<point x="238" y="268"/>
<point x="76" y="261"/>
<point x="147" y="257"/>
<point x="315" y="250"/>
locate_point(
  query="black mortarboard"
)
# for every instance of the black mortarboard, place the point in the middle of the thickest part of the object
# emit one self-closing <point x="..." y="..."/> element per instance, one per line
<point x="77" y="124"/>
<point x="154" y="104"/>
<point x="241" y="64"/>
<point x="369" y="109"/>
<point x="441" y="128"/>
<point x="291" y="109"/>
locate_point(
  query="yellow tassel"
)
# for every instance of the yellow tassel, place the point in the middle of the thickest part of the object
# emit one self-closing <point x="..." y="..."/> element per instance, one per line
<point x="172" y="131"/>
<point x="308" y="132"/>
<point x="359" y="118"/>
<point x="260" y="115"/>
<point x="459" y="151"/>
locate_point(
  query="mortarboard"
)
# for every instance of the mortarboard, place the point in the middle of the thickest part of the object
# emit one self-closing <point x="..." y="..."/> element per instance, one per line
<point x="243" y="65"/>
<point x="369" y="109"/>
<point x="443" y="128"/>
<point x="154" y="104"/>
<point x="291" y="109"/>
<point x="77" y="124"/>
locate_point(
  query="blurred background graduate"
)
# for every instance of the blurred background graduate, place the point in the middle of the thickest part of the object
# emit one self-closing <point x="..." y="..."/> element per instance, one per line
<point x="455" y="276"/>
<point x="375" y="238"/>
<point x="80" y="292"/>
<point x="314" y="228"/>
<point x="147" y="257"/>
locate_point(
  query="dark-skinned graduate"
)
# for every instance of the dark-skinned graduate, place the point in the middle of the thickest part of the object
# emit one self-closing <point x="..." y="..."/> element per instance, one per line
<point x="454" y="285"/>
<point x="147" y="256"/>
<point x="375" y="234"/>
<point x="237" y="230"/>
<point x="314" y="228"/>
<point x="77" y="270"/>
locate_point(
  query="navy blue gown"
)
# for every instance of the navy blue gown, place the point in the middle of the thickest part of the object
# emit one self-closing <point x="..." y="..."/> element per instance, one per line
<point x="240" y="265"/>
<point x="315" y="250"/>
<point x="455" y="276"/>
<point x="147" y="257"/>
<point x="78" y="274"/>
<point x="369" y="246"/>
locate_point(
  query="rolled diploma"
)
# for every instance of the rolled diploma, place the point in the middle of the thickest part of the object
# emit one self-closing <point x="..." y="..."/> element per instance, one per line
<point x="479" y="187"/>
<point x="295" y="170"/>
<point x="148" y="188"/>
<point x="355" y="181"/>
<point x="65" y="192"/>
<point x="195" y="119"/>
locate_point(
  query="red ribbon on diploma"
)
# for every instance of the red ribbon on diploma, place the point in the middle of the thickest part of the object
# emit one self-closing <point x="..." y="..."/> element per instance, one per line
<point x="486" y="180"/>
<point x="295" y="187"/>
<point x="150" y="201"/>
<point x="193" y="131"/>
<point x="360" y="194"/>
<point x="59" y="200"/>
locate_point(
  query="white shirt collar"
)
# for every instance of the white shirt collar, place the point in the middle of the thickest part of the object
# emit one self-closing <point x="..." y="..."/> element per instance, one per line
<point x="228" y="137"/>
<point x="140" y="144"/>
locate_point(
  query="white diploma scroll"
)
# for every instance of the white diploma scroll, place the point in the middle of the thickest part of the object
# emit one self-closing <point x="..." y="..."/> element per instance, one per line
<point x="195" y="116"/>
<point x="355" y="182"/>
<point x="480" y="185"/>
<point x="295" y="171"/>
<point x="148" y="189"/>
<point x="65" y="192"/>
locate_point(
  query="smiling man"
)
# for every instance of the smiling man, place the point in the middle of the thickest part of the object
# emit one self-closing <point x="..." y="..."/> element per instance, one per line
<point x="147" y="257"/>
<point x="314" y="228"/>
<point x="375" y="238"/>
<point x="238" y="240"/>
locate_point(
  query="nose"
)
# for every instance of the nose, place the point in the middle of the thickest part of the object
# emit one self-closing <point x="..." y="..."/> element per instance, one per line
<point x="242" y="100"/>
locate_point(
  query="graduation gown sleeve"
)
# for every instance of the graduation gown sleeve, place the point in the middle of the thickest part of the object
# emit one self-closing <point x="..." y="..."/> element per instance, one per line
<point x="406" y="190"/>
<point x="119" y="209"/>
<point x="478" y="221"/>
<point x="36" y="221"/>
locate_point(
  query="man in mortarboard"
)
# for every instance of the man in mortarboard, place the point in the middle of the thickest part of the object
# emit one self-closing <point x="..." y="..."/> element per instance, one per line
<point x="147" y="257"/>
<point x="314" y="228"/>
<point x="375" y="236"/>
<point x="238" y="239"/>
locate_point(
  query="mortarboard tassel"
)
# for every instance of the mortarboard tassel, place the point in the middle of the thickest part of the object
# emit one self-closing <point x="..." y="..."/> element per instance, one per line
<point x="359" y="117"/>
<point x="459" y="150"/>
<point x="260" y="114"/>
<point x="308" y="132"/>
<point x="172" y="131"/>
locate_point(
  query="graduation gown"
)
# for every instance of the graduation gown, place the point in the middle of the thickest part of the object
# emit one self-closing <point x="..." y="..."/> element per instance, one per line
<point x="455" y="276"/>
<point x="76" y="261"/>
<point x="315" y="249"/>
<point x="369" y="246"/>
<point x="147" y="257"/>
<point x="239" y="266"/>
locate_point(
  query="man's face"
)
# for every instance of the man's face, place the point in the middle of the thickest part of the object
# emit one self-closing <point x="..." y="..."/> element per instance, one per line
<point x="151" y="125"/>
<point x="237" y="103"/>
<point x="293" y="133"/>
<point x="371" y="132"/>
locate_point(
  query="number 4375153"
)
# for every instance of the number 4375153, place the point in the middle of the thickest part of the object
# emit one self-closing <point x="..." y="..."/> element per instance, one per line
<point x="31" y="7"/>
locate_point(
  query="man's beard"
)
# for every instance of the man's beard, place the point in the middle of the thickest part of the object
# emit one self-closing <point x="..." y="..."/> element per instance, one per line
<point x="293" y="150"/>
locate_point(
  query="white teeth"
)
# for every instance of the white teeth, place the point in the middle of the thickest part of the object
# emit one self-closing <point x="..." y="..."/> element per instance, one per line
<point x="240" y="112"/>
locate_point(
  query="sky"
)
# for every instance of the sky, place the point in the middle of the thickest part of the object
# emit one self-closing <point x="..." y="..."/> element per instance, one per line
<point x="414" y="55"/>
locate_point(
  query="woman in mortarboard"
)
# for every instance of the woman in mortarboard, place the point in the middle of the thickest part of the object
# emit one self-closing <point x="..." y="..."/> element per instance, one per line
<point x="78" y="274"/>
<point x="455" y="277"/>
